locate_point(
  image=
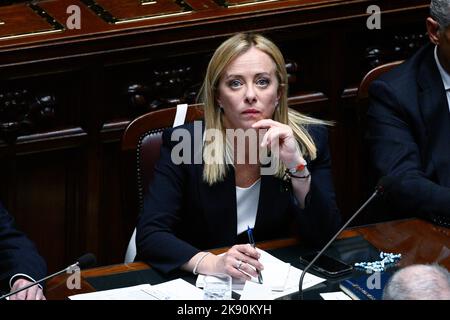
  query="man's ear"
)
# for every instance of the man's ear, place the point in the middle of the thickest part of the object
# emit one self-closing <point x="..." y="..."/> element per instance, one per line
<point x="433" y="30"/>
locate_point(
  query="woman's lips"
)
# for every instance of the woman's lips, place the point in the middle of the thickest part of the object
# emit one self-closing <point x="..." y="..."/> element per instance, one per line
<point x="250" y="111"/>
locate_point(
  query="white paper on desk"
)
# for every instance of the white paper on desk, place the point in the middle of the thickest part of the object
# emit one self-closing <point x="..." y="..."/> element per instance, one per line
<point x="256" y="291"/>
<point x="177" y="289"/>
<point x="291" y="284"/>
<point x="291" y="276"/>
<point x="275" y="273"/>
<point x="339" y="295"/>
<point x="129" y="293"/>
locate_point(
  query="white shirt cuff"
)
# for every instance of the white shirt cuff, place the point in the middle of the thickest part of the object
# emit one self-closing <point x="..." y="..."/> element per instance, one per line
<point x="21" y="275"/>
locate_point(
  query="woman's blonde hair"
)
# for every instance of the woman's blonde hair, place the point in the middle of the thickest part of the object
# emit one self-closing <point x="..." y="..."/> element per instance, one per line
<point x="229" y="50"/>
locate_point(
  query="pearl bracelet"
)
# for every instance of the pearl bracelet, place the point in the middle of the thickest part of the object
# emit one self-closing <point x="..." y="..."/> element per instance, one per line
<point x="194" y="271"/>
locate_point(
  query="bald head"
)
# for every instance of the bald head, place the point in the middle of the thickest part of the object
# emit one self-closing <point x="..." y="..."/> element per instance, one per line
<point x="419" y="282"/>
<point x="440" y="11"/>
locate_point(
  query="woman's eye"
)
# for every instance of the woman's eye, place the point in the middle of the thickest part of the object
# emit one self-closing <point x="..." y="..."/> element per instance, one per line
<point x="262" y="82"/>
<point x="234" y="83"/>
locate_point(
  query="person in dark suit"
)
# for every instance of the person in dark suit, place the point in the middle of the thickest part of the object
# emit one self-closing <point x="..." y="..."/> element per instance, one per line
<point x="20" y="263"/>
<point x="409" y="124"/>
<point x="209" y="199"/>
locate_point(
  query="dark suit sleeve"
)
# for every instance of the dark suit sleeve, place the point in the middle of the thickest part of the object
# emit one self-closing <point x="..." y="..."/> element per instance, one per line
<point x="155" y="239"/>
<point x="17" y="253"/>
<point x="394" y="152"/>
<point x="320" y="218"/>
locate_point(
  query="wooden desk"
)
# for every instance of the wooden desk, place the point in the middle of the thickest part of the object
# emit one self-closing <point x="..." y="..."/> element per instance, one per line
<point x="418" y="242"/>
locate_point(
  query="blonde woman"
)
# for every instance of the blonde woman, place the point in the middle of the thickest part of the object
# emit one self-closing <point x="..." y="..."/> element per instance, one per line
<point x="193" y="206"/>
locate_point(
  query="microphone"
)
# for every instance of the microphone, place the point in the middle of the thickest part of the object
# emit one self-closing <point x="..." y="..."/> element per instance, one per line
<point x="85" y="261"/>
<point x="385" y="184"/>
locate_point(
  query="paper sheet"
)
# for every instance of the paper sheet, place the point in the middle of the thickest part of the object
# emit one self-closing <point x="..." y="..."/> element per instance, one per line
<point x="339" y="295"/>
<point x="255" y="291"/>
<point x="180" y="289"/>
<point x="128" y="293"/>
<point x="171" y="290"/>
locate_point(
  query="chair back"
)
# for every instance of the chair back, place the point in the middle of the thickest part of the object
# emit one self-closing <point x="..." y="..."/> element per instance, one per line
<point x="364" y="175"/>
<point x="143" y="136"/>
<point x="141" y="143"/>
<point x="363" y="89"/>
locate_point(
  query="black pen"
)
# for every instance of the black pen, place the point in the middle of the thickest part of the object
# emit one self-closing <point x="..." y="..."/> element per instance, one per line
<point x="252" y="242"/>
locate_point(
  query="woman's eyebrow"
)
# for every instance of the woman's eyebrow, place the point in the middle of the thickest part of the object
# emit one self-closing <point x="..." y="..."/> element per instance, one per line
<point x="232" y="75"/>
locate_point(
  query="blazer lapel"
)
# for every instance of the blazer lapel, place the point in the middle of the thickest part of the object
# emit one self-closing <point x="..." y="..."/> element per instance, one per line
<point x="219" y="201"/>
<point x="264" y="200"/>
<point x="435" y="110"/>
<point x="272" y="203"/>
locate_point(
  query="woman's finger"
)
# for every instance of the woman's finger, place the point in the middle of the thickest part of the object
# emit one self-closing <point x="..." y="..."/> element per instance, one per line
<point x="234" y="270"/>
<point x="266" y="123"/>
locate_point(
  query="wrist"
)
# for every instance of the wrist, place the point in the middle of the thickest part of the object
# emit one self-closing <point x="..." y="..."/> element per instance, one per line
<point x="199" y="262"/>
<point x="294" y="162"/>
<point x="300" y="167"/>
<point x="300" y="170"/>
<point x="19" y="276"/>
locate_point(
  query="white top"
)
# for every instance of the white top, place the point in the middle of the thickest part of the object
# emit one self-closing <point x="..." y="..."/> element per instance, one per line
<point x="444" y="75"/>
<point x="247" y="206"/>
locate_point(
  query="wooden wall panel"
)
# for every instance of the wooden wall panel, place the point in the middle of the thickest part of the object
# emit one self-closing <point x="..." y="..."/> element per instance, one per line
<point x="113" y="239"/>
<point x="44" y="197"/>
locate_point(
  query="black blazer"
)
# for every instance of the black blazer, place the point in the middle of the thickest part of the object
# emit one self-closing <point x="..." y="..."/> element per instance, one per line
<point x="409" y="134"/>
<point x="17" y="253"/>
<point x="183" y="215"/>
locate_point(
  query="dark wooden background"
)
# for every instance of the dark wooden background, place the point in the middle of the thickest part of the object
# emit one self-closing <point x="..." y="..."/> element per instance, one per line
<point x="66" y="96"/>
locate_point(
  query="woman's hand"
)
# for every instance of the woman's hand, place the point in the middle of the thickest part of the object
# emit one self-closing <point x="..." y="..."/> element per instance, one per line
<point x="240" y="262"/>
<point x="282" y="135"/>
<point x="32" y="293"/>
<point x="289" y="153"/>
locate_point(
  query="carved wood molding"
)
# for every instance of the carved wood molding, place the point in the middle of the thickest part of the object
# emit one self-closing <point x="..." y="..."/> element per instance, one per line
<point x="23" y="113"/>
<point x="165" y="88"/>
<point x="240" y="3"/>
<point x="161" y="9"/>
<point x="169" y="87"/>
<point x="398" y="47"/>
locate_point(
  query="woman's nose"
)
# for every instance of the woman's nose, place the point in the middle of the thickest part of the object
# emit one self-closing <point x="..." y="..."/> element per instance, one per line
<point x="250" y="95"/>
